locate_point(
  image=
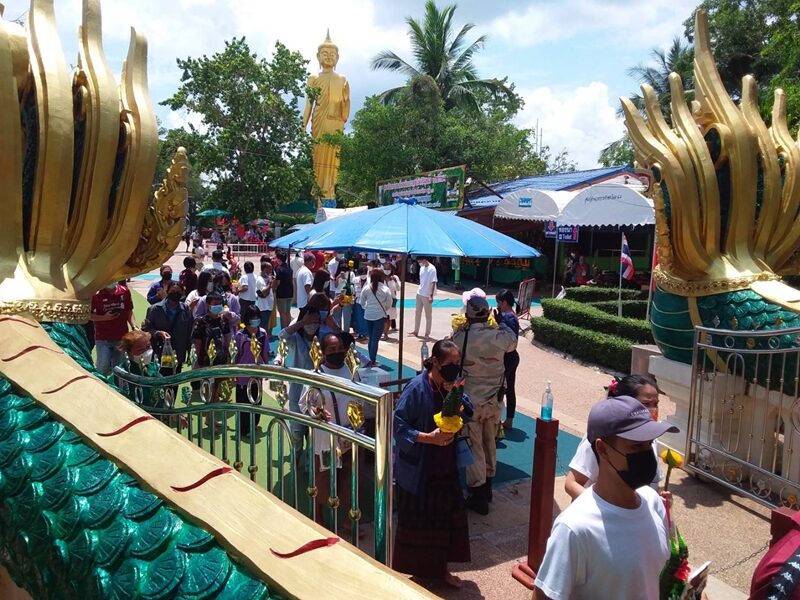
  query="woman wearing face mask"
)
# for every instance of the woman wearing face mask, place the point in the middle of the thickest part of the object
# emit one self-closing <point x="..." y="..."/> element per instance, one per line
<point x="376" y="300"/>
<point x="583" y="469"/>
<point x="392" y="282"/>
<point x="137" y="348"/>
<point x="331" y="407"/>
<point x="313" y="321"/>
<point x="432" y="527"/>
<point x="215" y="327"/>
<point x="204" y="285"/>
<point x="221" y="283"/>
<point x="158" y="290"/>
<point x="245" y="347"/>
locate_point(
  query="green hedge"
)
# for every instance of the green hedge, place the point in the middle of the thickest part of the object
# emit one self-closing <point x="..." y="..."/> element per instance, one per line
<point x="600" y="348"/>
<point x="635" y="309"/>
<point x="586" y="293"/>
<point x="586" y="316"/>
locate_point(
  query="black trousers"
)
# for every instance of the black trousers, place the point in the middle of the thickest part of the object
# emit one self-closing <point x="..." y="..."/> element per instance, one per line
<point x="511" y="362"/>
<point x="244" y="418"/>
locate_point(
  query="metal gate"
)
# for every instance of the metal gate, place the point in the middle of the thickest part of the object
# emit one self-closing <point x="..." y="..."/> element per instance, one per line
<point x="744" y="412"/>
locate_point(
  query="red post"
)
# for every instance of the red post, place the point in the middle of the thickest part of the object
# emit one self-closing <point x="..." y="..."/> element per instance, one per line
<point x="542" y="488"/>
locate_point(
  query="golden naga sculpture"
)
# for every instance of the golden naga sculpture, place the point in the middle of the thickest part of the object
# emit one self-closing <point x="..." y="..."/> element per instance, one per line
<point x="77" y="157"/>
<point x="328" y="108"/>
<point x="727" y="195"/>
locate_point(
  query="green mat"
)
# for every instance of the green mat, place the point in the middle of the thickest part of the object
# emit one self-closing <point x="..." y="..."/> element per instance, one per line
<point x="515" y="452"/>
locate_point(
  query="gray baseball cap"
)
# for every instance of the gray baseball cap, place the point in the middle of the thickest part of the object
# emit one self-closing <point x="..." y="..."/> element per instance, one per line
<point x="625" y="417"/>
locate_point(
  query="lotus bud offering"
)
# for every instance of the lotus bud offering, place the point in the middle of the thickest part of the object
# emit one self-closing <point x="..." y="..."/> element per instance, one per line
<point x="449" y="420"/>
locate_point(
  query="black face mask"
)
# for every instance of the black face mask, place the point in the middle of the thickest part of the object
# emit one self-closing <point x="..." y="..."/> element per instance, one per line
<point x="642" y="467"/>
<point x="449" y="372"/>
<point x="175" y="296"/>
<point x="335" y="359"/>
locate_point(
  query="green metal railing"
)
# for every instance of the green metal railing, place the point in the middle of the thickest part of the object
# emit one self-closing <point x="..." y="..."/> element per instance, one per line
<point x="285" y="429"/>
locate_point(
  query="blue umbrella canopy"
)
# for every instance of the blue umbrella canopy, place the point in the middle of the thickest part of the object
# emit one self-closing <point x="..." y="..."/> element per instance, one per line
<point x="407" y="229"/>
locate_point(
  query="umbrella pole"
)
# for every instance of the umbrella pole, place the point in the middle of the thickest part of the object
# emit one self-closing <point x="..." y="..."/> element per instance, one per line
<point x="401" y="320"/>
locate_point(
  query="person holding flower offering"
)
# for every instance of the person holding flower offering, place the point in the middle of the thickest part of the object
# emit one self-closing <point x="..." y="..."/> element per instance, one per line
<point x="611" y="542"/>
<point x="484" y="343"/>
<point x="432" y="527"/>
<point x="583" y="468"/>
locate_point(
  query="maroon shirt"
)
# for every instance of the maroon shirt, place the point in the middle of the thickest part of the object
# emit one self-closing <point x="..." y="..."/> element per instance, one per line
<point x="772" y="562"/>
<point x="106" y="302"/>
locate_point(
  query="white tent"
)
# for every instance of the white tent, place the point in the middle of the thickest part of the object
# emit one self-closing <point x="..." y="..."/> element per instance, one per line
<point x="608" y="205"/>
<point x="326" y="214"/>
<point x="532" y="205"/>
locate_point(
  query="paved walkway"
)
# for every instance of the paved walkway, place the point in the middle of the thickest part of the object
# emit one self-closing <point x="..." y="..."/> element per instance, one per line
<point x="718" y="526"/>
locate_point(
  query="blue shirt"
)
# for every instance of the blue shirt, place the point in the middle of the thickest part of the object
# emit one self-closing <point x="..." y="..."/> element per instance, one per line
<point x="511" y="321"/>
<point x="152" y="293"/>
<point x="414" y="414"/>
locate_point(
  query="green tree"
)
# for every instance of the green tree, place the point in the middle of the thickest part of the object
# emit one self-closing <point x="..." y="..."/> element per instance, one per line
<point x="445" y="56"/>
<point x="250" y="146"/>
<point x="677" y="59"/>
<point x="617" y="153"/>
<point x="168" y="143"/>
<point x="416" y="133"/>
<point x="759" y="38"/>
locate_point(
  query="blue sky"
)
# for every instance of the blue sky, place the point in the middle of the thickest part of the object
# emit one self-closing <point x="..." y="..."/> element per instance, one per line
<point x="567" y="58"/>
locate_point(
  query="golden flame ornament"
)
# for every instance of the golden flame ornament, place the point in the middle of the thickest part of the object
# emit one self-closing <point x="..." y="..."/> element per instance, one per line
<point x="355" y="414"/>
<point x="77" y="157"/>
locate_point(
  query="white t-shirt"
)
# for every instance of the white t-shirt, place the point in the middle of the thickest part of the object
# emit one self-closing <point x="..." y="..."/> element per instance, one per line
<point x="216" y="266"/>
<point x="600" y="551"/>
<point x="311" y="396"/>
<point x="304" y="278"/>
<point x="585" y="463"/>
<point x="427" y="277"/>
<point x="376" y="305"/>
<point x="250" y="280"/>
<point x="333" y="266"/>
<point x="264" y="303"/>
<point x="295" y="263"/>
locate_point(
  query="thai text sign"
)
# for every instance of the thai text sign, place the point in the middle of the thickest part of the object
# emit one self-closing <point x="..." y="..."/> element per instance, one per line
<point x="442" y="189"/>
<point x="568" y="233"/>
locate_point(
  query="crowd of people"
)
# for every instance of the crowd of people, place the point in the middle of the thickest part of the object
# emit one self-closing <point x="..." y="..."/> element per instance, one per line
<point x="613" y="477"/>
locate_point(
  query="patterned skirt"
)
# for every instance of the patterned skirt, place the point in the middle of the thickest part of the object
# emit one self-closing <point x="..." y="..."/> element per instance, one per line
<point x="432" y="529"/>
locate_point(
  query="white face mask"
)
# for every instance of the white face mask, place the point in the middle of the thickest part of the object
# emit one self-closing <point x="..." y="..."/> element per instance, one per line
<point x="310" y="330"/>
<point x="145" y="357"/>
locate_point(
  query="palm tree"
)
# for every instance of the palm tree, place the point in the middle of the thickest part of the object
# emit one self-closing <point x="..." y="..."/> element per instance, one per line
<point x="677" y="59"/>
<point x="443" y="56"/>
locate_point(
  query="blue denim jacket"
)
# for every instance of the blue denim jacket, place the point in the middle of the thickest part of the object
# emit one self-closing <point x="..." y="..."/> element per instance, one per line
<point x="413" y="414"/>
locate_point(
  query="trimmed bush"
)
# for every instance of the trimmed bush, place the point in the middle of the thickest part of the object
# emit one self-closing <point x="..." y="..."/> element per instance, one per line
<point x="634" y="309"/>
<point x="600" y="348"/>
<point x="586" y="293"/>
<point x="588" y="317"/>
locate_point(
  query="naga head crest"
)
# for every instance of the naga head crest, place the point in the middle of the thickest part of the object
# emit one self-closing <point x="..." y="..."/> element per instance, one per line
<point x="727" y="187"/>
<point x="77" y="157"/>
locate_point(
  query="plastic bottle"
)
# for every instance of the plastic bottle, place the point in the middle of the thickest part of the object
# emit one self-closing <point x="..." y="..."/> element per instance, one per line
<point x="424" y="352"/>
<point x="547" y="403"/>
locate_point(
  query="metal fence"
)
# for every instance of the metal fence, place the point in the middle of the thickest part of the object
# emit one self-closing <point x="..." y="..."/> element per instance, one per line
<point x="289" y="438"/>
<point x="744" y="412"/>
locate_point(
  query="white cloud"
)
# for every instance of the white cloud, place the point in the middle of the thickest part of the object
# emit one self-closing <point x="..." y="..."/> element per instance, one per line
<point x="645" y="24"/>
<point x="581" y="121"/>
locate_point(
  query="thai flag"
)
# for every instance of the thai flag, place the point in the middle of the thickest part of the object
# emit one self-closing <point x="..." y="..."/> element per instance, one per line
<point x="625" y="262"/>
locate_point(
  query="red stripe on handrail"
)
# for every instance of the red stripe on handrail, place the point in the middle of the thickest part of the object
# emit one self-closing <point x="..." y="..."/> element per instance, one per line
<point x="125" y="428"/>
<point x="201" y="481"/>
<point x="312" y="545"/>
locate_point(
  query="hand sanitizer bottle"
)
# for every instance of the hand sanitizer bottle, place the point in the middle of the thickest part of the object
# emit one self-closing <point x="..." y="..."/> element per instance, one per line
<point x="547" y="404"/>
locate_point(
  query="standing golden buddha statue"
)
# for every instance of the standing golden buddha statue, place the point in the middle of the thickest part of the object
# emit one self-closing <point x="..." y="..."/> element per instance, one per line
<point x="328" y="110"/>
